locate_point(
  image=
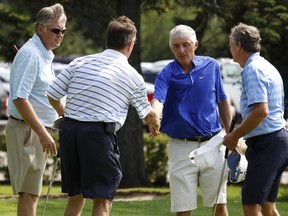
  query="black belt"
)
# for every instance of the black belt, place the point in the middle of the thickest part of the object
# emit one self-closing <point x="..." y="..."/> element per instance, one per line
<point x="20" y="120"/>
<point x="200" y="138"/>
<point x="109" y="127"/>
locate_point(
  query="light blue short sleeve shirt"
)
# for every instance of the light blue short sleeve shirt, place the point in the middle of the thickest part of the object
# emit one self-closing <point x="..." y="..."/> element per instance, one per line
<point x="262" y="83"/>
<point x="31" y="73"/>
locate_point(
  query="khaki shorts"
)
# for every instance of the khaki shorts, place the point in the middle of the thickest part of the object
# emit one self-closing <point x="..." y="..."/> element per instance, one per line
<point x="184" y="177"/>
<point x="26" y="160"/>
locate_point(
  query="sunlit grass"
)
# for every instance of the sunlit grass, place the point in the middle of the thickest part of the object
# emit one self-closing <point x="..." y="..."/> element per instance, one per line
<point x="159" y="206"/>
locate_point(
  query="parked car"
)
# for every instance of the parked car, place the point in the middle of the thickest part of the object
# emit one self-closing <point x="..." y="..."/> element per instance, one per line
<point x="232" y="81"/>
<point x="4" y="93"/>
<point x="58" y="67"/>
<point x="230" y="72"/>
<point x="151" y="69"/>
<point x="4" y="88"/>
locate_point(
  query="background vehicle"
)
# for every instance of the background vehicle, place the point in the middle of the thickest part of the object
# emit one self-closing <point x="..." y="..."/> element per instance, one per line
<point x="232" y="81"/>
<point x="4" y="93"/>
<point x="58" y="67"/>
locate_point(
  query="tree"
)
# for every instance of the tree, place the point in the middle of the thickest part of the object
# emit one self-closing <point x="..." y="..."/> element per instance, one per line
<point x="91" y="27"/>
<point x="130" y="136"/>
<point x="212" y="20"/>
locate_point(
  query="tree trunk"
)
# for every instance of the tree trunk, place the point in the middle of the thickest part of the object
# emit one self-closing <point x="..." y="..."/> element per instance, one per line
<point x="130" y="136"/>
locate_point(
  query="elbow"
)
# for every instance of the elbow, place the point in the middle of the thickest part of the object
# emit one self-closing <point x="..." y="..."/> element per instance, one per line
<point x="260" y="110"/>
<point x="51" y="100"/>
<point x="264" y="114"/>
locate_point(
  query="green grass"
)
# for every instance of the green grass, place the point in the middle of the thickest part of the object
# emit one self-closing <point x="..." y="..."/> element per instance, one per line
<point x="157" y="207"/>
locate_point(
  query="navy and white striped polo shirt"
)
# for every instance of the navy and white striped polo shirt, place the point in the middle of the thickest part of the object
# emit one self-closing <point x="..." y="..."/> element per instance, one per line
<point x="100" y="87"/>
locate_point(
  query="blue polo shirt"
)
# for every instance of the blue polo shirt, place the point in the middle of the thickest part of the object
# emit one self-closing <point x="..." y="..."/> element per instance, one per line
<point x="190" y="100"/>
<point x="262" y="83"/>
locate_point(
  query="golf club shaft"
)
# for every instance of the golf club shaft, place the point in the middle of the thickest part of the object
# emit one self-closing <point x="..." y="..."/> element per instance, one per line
<point x="51" y="181"/>
<point x="233" y="122"/>
<point x="232" y="125"/>
<point x="50" y="185"/>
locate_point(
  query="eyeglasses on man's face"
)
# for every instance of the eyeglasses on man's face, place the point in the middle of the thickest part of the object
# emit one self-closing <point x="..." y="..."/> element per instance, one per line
<point x="56" y="30"/>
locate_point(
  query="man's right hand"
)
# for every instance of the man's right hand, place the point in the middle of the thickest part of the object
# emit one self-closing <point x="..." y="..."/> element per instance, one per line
<point x="48" y="143"/>
<point x="153" y="121"/>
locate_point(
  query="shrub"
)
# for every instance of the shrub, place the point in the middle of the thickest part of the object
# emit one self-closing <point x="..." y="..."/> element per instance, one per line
<point x="155" y="154"/>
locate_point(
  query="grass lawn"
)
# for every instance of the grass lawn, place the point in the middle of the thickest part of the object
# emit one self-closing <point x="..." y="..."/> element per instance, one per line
<point x="159" y="206"/>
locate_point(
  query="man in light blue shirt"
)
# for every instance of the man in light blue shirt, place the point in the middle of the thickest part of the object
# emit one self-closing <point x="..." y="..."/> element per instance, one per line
<point x="263" y="126"/>
<point x="30" y="114"/>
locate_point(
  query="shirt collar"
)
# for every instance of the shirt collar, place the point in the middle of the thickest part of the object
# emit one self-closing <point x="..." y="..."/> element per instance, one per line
<point x="47" y="54"/>
<point x="251" y="58"/>
<point x="115" y="54"/>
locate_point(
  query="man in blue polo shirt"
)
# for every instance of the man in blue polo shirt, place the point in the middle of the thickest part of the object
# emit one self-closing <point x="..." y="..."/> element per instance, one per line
<point x="189" y="92"/>
<point x="263" y="125"/>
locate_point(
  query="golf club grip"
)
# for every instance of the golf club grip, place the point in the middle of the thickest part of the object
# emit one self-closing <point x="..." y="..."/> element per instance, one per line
<point x="15" y="48"/>
<point x="230" y="130"/>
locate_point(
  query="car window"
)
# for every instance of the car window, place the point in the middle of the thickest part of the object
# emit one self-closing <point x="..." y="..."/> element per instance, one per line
<point x="231" y="70"/>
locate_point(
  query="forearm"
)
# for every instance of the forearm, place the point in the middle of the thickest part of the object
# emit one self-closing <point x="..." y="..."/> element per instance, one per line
<point x="258" y="113"/>
<point x="28" y="113"/>
<point x="225" y="114"/>
<point x="157" y="106"/>
<point x="57" y="105"/>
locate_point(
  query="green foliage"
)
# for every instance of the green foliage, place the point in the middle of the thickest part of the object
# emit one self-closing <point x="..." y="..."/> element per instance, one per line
<point x="15" y="29"/>
<point x="155" y="154"/>
<point x="2" y="142"/>
<point x="74" y="43"/>
<point x="154" y="38"/>
<point x="3" y="168"/>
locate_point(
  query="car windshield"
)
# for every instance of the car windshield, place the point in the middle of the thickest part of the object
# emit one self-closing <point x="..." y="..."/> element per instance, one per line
<point x="5" y="72"/>
<point x="231" y="70"/>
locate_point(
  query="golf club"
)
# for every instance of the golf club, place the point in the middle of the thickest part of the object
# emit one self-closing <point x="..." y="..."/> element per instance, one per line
<point x="15" y="48"/>
<point x="223" y="169"/>
<point x="51" y="181"/>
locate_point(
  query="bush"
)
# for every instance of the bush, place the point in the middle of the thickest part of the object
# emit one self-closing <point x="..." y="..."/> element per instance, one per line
<point x="155" y="155"/>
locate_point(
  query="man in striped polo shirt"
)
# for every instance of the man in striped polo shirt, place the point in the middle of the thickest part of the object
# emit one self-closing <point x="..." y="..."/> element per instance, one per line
<point x="99" y="88"/>
<point x="263" y="125"/>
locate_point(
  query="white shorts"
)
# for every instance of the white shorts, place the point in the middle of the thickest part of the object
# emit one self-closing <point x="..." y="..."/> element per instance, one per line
<point x="184" y="177"/>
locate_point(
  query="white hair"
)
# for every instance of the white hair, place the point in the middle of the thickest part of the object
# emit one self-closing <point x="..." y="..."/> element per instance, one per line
<point x="182" y="31"/>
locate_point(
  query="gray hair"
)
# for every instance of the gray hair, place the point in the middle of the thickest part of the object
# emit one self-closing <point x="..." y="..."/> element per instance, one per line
<point x="49" y="14"/>
<point x="248" y="36"/>
<point x="182" y="31"/>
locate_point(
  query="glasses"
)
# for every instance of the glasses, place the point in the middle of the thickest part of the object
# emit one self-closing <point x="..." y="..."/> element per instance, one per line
<point x="56" y="30"/>
<point x="53" y="30"/>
